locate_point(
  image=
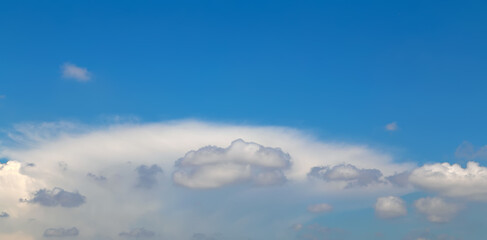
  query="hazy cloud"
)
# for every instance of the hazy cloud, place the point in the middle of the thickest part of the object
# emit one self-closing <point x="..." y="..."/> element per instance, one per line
<point x="71" y="71"/>
<point x="138" y="233"/>
<point x="436" y="209"/>
<point x="202" y="236"/>
<point x="147" y="175"/>
<point x="467" y="150"/>
<point x="399" y="179"/>
<point x="391" y="126"/>
<point x="56" y="197"/>
<point x="390" y="207"/>
<point x="347" y="173"/>
<point x="61" y="232"/>
<point x="319" y="232"/>
<point x="4" y="215"/>
<point x="320" y="208"/>
<point x="212" y="167"/>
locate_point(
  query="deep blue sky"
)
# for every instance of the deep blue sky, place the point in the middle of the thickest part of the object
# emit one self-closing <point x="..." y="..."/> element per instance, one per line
<point x="340" y="69"/>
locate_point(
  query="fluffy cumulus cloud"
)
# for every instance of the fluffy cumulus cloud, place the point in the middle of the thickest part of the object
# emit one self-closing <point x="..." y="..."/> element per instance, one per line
<point x="452" y="180"/>
<point x="351" y="175"/>
<point x="71" y="71"/>
<point x="110" y="180"/>
<point x="211" y="166"/>
<point x="390" y="207"/>
<point x="436" y="209"/>
<point x="61" y="232"/>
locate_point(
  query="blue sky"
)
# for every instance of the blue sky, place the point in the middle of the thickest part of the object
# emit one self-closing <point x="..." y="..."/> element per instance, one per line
<point x="338" y="71"/>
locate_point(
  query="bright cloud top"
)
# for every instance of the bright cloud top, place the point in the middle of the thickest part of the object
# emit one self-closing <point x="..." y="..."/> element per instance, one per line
<point x="71" y="71"/>
<point x="453" y="180"/>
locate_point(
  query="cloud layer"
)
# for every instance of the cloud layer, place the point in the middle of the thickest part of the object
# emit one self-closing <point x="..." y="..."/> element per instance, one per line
<point x="124" y="181"/>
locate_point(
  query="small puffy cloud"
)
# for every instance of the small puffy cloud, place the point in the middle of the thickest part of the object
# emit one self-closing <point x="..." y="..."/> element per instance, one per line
<point x="98" y="178"/>
<point x="71" y="71"/>
<point x="137" y="233"/>
<point x="320" y="208"/>
<point x="4" y="215"/>
<point x="147" y="175"/>
<point x="436" y="209"/>
<point x="353" y="176"/>
<point x="391" y="126"/>
<point x="61" y="232"/>
<point x="467" y="150"/>
<point x="213" y="167"/>
<point x="57" y="197"/>
<point x="399" y="179"/>
<point x="452" y="180"/>
<point x="390" y="207"/>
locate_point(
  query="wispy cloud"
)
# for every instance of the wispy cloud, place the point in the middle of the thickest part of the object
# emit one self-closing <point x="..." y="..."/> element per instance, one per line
<point x="467" y="150"/>
<point x="391" y="126"/>
<point x="320" y="208"/>
<point x="71" y="71"/>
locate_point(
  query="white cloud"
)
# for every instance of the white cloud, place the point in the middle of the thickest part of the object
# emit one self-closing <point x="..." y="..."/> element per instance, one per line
<point x="390" y="207"/>
<point x="452" y="180"/>
<point x="103" y="164"/>
<point x="211" y="167"/>
<point x="71" y="71"/>
<point x="391" y="126"/>
<point x="320" y="208"/>
<point x="436" y="209"/>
